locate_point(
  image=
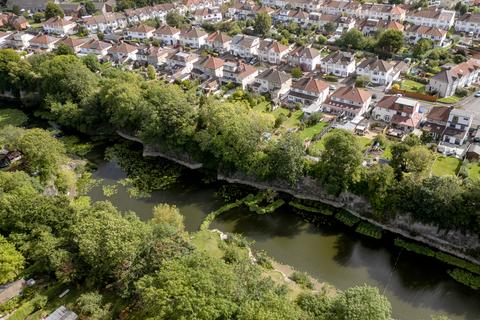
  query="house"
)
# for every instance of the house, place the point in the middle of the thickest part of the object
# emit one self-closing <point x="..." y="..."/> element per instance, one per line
<point x="138" y="15"/>
<point x="193" y="37"/>
<point x="4" y="38"/>
<point x="431" y="17"/>
<point x="239" y="73"/>
<point x="123" y="52"/>
<point x="193" y="5"/>
<point x="304" y="57"/>
<point x="288" y="16"/>
<point x="348" y="101"/>
<point x="273" y="82"/>
<point x="74" y="10"/>
<point x="106" y="22"/>
<point x="450" y="79"/>
<point x="206" y="15"/>
<point x="338" y="63"/>
<point x="140" y="32"/>
<point x="105" y="6"/>
<point x="95" y="47"/>
<point x="435" y="121"/>
<point x="336" y="7"/>
<point x="374" y="26"/>
<point x="308" y="92"/>
<point x="29" y="5"/>
<point x="208" y="67"/>
<point x="43" y="42"/>
<point x="458" y="125"/>
<point x="400" y="112"/>
<point x="469" y="22"/>
<point x="245" y="46"/>
<point x="74" y="43"/>
<point x="62" y="313"/>
<point x="154" y="56"/>
<point x="378" y="71"/>
<point x="415" y="32"/>
<point x="19" y="23"/>
<point x="272" y="51"/>
<point x="180" y="64"/>
<point x="168" y="35"/>
<point x="20" y="40"/>
<point x="60" y="26"/>
<point x="388" y="12"/>
<point x="219" y="41"/>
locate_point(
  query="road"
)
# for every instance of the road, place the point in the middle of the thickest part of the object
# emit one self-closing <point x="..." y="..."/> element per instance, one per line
<point x="471" y="104"/>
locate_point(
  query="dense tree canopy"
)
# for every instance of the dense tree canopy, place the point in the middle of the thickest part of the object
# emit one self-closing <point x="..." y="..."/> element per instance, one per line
<point x="390" y="42"/>
<point x="263" y="23"/>
<point x="11" y="261"/>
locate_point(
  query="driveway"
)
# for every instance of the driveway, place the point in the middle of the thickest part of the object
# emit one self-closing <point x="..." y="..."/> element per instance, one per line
<point x="471" y="104"/>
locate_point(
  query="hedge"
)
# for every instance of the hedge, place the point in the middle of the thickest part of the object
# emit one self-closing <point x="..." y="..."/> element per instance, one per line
<point x="369" y="230"/>
<point x="347" y="218"/>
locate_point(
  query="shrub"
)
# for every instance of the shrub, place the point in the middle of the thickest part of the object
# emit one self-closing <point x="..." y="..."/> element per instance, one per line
<point x="330" y="77"/>
<point x="302" y="279"/>
<point x="264" y="260"/>
<point x="313" y="119"/>
<point x="465" y="277"/>
<point x="461" y="92"/>
<point x="347" y="218"/>
<point x="369" y="230"/>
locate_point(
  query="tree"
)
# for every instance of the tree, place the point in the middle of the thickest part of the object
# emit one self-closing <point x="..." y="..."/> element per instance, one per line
<point x="339" y="162"/>
<point x="297" y="73"/>
<point x="418" y="159"/>
<point x="287" y="159"/>
<point x="90" y="305"/>
<point x="420" y="4"/>
<point x="330" y="27"/>
<point x="396" y="1"/>
<point x="174" y="19"/>
<point x="53" y="10"/>
<point x="352" y="39"/>
<point x="380" y="182"/>
<point x="422" y="47"/>
<point x="43" y="153"/>
<point x="90" y="7"/>
<point x="168" y="215"/>
<point x="63" y="49"/>
<point x="316" y="305"/>
<point x="92" y="63"/>
<point x="361" y="303"/>
<point x="11" y="261"/>
<point x="151" y="73"/>
<point x="37" y="17"/>
<point x="232" y="133"/>
<point x="461" y="8"/>
<point x="390" y="42"/>
<point x="263" y="23"/>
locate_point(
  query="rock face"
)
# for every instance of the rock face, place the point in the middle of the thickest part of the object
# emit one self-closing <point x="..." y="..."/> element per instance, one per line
<point x="452" y="242"/>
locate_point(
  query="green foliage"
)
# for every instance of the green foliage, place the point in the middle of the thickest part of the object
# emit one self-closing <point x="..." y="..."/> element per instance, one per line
<point x="264" y="260"/>
<point x="369" y="230"/>
<point x="63" y="49"/>
<point x="302" y="207"/>
<point x="302" y="279"/>
<point x="467" y="278"/>
<point x="361" y="303"/>
<point x="12" y="117"/>
<point x="90" y="305"/>
<point x="347" y="218"/>
<point x="422" y="47"/>
<point x="390" y="42"/>
<point x="147" y="175"/>
<point x="316" y="305"/>
<point x="174" y="19"/>
<point x="352" y="39"/>
<point x="297" y="73"/>
<point x="339" y="162"/>
<point x="53" y="10"/>
<point x="11" y="261"/>
<point x="109" y="191"/>
<point x="151" y="73"/>
<point x="263" y="23"/>
<point x="214" y="214"/>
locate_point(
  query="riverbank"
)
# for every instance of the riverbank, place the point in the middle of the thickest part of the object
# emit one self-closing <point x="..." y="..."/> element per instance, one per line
<point x="452" y="242"/>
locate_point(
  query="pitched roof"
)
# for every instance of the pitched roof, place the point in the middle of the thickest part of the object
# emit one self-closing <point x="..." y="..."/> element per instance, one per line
<point x="96" y="45"/>
<point x="166" y="31"/>
<point x="74" y="42"/>
<point x="352" y="93"/>
<point x="339" y="57"/>
<point x="432" y="13"/>
<point x="43" y="39"/>
<point x="310" y="85"/>
<point x="193" y="33"/>
<point x="272" y="45"/>
<point x="398" y="103"/>
<point x="142" y="28"/>
<point x="458" y="71"/>
<point x="428" y="31"/>
<point x="210" y="62"/>
<point x="470" y="17"/>
<point x="218" y="36"/>
<point x="305" y="52"/>
<point x="375" y="63"/>
<point x="440" y="113"/>
<point x="123" y="48"/>
<point x="58" y="22"/>
<point x="274" y="75"/>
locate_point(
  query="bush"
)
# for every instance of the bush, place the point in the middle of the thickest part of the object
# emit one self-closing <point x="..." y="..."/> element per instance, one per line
<point x="313" y="119"/>
<point x="369" y="230"/>
<point x="347" y="218"/>
<point x="279" y="120"/>
<point x="461" y="92"/>
<point x="264" y="260"/>
<point x="330" y="77"/>
<point x="465" y="277"/>
<point x="302" y="279"/>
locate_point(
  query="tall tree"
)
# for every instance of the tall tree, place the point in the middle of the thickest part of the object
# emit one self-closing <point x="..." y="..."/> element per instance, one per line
<point x="263" y="23"/>
<point x="287" y="159"/>
<point x="53" y="10"/>
<point x="352" y="39"/>
<point x="390" y="42"/>
<point x="11" y="261"/>
<point x="339" y="162"/>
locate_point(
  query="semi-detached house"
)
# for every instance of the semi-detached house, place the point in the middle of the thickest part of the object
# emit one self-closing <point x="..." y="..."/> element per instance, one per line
<point x="239" y="73"/>
<point x="219" y="41"/>
<point x="348" y="101"/>
<point x="95" y="47"/>
<point x="43" y="42"/>
<point x="309" y="92"/>
<point x="245" y="46"/>
<point x="168" y="35"/>
<point x="399" y="112"/>
<point x="193" y="37"/>
<point x="469" y="22"/>
<point x="273" y="82"/>
<point x="272" y="51"/>
<point x="379" y="71"/>
<point x="431" y="17"/>
<point x="140" y="32"/>
<point x="341" y="64"/>
<point x="60" y="26"/>
<point x="304" y="57"/>
<point x="123" y="52"/>
<point x="450" y="79"/>
<point x="106" y="22"/>
<point x="436" y="35"/>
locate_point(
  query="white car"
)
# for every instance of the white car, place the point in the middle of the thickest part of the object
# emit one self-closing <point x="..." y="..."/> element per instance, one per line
<point x="477" y="94"/>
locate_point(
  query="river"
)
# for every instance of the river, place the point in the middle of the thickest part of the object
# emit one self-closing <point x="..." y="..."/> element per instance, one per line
<point x="417" y="287"/>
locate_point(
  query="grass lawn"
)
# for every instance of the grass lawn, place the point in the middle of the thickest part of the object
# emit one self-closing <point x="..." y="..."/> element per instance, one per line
<point x="449" y="100"/>
<point x="474" y="170"/>
<point x="12" y="117"/>
<point x="208" y="242"/>
<point x="310" y="132"/>
<point x="445" y="166"/>
<point x="412" y="86"/>
<point x="364" y="142"/>
<point x="294" y="120"/>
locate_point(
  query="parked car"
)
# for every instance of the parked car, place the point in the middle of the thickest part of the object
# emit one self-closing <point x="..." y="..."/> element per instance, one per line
<point x="477" y="94"/>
